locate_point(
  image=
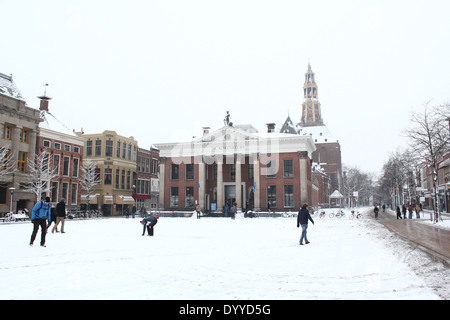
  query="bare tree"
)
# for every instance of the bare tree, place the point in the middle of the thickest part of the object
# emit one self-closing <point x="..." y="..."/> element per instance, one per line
<point x="41" y="171"/>
<point x="393" y="177"/>
<point x="89" y="179"/>
<point x="357" y="181"/>
<point x="429" y="138"/>
<point x="7" y="163"/>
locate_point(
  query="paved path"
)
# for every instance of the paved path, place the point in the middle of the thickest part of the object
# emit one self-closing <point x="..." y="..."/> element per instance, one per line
<point x="435" y="239"/>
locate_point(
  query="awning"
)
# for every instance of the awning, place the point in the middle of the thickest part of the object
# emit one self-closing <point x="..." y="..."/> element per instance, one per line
<point x="126" y="200"/>
<point x="92" y="198"/>
<point x="108" y="199"/>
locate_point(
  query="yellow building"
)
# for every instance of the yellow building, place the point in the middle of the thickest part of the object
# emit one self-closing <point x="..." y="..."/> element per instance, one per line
<point x="115" y="159"/>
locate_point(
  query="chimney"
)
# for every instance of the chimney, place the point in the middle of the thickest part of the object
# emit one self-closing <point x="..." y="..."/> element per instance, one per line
<point x="270" y="127"/>
<point x="206" y="131"/>
<point x="44" y="104"/>
<point x="44" y="100"/>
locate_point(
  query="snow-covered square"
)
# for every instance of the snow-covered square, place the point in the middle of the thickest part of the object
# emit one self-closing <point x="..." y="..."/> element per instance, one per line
<point x="210" y="258"/>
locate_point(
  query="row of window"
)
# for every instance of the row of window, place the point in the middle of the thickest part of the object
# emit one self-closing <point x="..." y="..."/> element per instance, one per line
<point x="122" y="178"/>
<point x="288" y="196"/>
<point x="58" y="146"/>
<point x="71" y="195"/>
<point x="123" y="150"/>
<point x="6" y="132"/>
<point x="143" y="165"/>
<point x="272" y="169"/>
<point x="66" y="170"/>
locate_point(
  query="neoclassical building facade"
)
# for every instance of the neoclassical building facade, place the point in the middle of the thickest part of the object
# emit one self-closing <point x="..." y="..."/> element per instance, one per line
<point x="236" y="164"/>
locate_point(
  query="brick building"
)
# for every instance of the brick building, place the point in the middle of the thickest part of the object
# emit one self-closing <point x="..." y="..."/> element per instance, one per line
<point x="66" y="153"/>
<point x="236" y="164"/>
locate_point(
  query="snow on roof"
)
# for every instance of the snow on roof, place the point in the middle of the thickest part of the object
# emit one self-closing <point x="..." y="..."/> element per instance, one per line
<point x="9" y="88"/>
<point x="320" y="134"/>
<point x="52" y="123"/>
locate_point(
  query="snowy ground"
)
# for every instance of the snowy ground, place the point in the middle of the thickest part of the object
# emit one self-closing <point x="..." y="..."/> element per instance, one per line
<point x="215" y="258"/>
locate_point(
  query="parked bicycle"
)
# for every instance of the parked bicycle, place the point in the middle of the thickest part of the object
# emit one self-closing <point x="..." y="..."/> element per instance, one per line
<point x="358" y="215"/>
<point x="339" y="214"/>
<point x="322" y="214"/>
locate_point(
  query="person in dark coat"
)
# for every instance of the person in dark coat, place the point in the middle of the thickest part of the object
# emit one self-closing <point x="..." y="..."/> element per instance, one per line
<point x="149" y="223"/>
<point x="376" y="210"/>
<point x="403" y="211"/>
<point x="60" y="215"/>
<point x="302" y="220"/>
<point x="399" y="215"/>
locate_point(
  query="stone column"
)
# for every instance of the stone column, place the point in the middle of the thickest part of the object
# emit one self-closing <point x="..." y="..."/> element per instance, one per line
<point x="303" y="157"/>
<point x="220" y="186"/>
<point x="238" y="183"/>
<point x="202" y="182"/>
<point x="257" y="192"/>
<point x="162" y="174"/>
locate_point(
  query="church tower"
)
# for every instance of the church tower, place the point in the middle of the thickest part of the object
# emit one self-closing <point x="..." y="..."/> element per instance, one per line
<point x="311" y="113"/>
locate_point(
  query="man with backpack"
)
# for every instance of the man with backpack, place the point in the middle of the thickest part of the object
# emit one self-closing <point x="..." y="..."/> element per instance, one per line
<point x="39" y="217"/>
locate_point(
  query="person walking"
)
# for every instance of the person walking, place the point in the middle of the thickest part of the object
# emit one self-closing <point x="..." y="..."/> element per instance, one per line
<point x="376" y="210"/>
<point x="233" y="211"/>
<point x="302" y="220"/>
<point x="198" y="210"/>
<point x="403" y="211"/>
<point x="39" y="217"/>
<point x="399" y="214"/>
<point x="149" y="223"/>
<point x="60" y="215"/>
<point x="52" y="219"/>
<point x="410" y="209"/>
<point x="417" y="212"/>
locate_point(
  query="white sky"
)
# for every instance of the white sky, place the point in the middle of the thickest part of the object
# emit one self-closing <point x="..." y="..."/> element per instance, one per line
<point x="161" y="70"/>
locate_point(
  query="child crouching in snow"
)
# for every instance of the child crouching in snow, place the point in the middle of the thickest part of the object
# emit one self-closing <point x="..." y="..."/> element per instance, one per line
<point x="149" y="223"/>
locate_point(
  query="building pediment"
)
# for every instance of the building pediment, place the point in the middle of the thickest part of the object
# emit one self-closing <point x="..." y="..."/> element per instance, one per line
<point x="229" y="141"/>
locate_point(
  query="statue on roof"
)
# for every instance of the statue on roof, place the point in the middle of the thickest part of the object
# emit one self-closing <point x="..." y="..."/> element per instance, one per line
<point x="226" y="120"/>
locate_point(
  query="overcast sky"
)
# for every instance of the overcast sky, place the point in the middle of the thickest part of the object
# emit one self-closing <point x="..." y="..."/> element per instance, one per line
<point x="162" y="70"/>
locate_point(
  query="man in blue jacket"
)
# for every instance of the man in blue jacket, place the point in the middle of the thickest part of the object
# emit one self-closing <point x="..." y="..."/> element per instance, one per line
<point x="39" y="216"/>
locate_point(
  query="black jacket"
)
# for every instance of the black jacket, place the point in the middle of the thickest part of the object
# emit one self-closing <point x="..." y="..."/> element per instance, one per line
<point x="303" y="217"/>
<point x="61" y="209"/>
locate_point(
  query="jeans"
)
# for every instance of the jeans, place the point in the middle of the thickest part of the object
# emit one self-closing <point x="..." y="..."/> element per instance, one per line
<point x="304" y="227"/>
<point x="43" y="224"/>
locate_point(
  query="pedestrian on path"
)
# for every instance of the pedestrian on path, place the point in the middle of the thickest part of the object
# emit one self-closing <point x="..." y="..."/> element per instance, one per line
<point x="404" y="211"/>
<point x="376" y="210"/>
<point x="52" y="218"/>
<point x="39" y="217"/>
<point x="399" y="215"/>
<point x="302" y="220"/>
<point x="417" y="212"/>
<point x="410" y="212"/>
<point x="60" y="215"/>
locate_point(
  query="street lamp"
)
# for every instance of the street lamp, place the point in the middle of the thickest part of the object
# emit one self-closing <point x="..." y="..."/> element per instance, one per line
<point x="11" y="190"/>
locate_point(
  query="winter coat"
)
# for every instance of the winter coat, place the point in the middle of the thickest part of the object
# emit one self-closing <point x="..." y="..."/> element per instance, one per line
<point x="303" y="217"/>
<point x="151" y="219"/>
<point x="61" y="209"/>
<point x="41" y="211"/>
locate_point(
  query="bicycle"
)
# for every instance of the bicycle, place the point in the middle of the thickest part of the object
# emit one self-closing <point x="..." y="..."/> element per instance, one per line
<point x="322" y="214"/>
<point x="358" y="215"/>
<point x="339" y="214"/>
